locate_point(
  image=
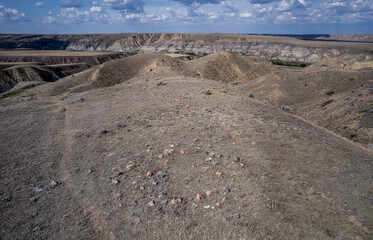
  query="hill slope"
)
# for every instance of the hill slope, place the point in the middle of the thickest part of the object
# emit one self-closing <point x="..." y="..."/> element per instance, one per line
<point x="261" y="173"/>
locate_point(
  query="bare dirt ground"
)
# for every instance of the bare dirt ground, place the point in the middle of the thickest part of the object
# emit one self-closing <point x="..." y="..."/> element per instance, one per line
<point x="153" y="147"/>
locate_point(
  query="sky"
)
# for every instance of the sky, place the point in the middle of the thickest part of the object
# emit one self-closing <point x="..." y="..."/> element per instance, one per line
<point x="176" y="16"/>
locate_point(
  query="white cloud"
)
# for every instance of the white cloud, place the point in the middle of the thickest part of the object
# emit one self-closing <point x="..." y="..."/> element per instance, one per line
<point x="39" y="4"/>
<point x="130" y="6"/>
<point x="11" y="14"/>
<point x="217" y="12"/>
<point x="96" y="10"/>
<point x="246" y="15"/>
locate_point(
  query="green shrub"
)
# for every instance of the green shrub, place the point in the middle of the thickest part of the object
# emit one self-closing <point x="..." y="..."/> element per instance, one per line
<point x="12" y="94"/>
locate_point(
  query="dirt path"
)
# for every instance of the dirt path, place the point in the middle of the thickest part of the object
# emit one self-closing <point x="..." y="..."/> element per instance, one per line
<point x="72" y="177"/>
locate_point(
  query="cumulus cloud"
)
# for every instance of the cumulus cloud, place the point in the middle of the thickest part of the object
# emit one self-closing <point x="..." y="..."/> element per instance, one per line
<point x="97" y="10"/>
<point x="263" y="1"/>
<point x="223" y="12"/>
<point x="197" y="2"/>
<point x="288" y="5"/>
<point x="246" y="15"/>
<point x="39" y="4"/>
<point x="130" y="6"/>
<point x="69" y="3"/>
<point x="11" y="14"/>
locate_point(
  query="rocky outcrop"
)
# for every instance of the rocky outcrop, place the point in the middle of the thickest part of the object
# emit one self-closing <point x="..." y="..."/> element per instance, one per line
<point x="279" y="48"/>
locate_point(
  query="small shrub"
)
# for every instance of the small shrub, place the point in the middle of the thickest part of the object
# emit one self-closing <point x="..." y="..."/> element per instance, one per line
<point x="12" y="94"/>
<point x="191" y="53"/>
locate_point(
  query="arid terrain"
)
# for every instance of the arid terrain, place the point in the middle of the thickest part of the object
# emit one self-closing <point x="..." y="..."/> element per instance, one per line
<point x="183" y="136"/>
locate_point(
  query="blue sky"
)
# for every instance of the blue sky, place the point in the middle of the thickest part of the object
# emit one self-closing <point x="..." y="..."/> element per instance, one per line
<point x="239" y="16"/>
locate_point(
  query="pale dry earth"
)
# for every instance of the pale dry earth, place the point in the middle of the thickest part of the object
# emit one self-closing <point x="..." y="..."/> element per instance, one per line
<point x="260" y="172"/>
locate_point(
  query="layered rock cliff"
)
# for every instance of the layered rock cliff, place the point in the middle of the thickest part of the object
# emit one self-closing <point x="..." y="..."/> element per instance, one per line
<point x="279" y="48"/>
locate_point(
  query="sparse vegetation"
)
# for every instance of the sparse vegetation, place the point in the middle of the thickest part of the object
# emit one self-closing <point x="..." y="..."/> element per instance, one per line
<point x="12" y="94"/>
<point x="289" y="64"/>
<point x="191" y="54"/>
<point x="61" y="92"/>
<point x="131" y="53"/>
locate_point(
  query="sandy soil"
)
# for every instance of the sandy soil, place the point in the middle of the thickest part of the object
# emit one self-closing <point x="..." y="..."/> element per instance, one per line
<point x="138" y="148"/>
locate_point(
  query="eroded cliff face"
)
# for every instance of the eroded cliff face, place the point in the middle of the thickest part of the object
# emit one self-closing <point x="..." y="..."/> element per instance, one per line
<point x="279" y="48"/>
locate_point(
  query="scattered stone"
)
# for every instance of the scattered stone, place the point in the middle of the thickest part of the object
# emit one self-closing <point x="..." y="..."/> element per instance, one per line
<point x="115" y="182"/>
<point x="227" y="190"/>
<point x="130" y="167"/>
<point x="206" y="92"/>
<point x="104" y="131"/>
<point x="209" y="159"/>
<point x="218" y="204"/>
<point x="236" y="215"/>
<point x="90" y="171"/>
<point x="219" y="174"/>
<point x="194" y="205"/>
<point x="161" y="83"/>
<point x="149" y="174"/>
<point x="208" y="193"/>
<point x="199" y="197"/>
<point x="36" y="229"/>
<point x="155" y="183"/>
<point x="142" y="187"/>
<point x="209" y="146"/>
<point x="218" y="156"/>
<point x="54" y="183"/>
<point x="37" y="189"/>
<point x="168" y="151"/>
<point x="33" y="199"/>
<point x="182" y="151"/>
<point x="224" y="199"/>
<point x="250" y="94"/>
<point x="151" y="204"/>
<point x="364" y="110"/>
<point x="236" y="159"/>
<point x="161" y="174"/>
<point x="7" y="198"/>
<point x="370" y="145"/>
<point x="176" y="200"/>
<point x="287" y="109"/>
<point x="207" y="206"/>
